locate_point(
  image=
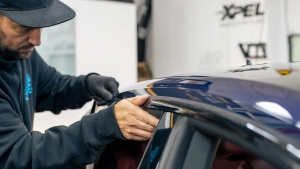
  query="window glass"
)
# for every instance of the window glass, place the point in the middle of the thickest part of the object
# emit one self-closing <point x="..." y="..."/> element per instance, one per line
<point x="157" y="143"/>
<point x="231" y="156"/>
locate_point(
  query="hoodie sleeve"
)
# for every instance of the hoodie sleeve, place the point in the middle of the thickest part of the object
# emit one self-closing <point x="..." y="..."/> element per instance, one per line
<point x="56" y="92"/>
<point x="59" y="147"/>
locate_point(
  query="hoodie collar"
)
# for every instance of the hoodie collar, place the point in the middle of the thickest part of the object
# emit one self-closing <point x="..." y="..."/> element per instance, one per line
<point x="4" y="64"/>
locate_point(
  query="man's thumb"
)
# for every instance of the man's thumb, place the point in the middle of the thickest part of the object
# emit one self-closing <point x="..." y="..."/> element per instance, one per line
<point x="138" y="100"/>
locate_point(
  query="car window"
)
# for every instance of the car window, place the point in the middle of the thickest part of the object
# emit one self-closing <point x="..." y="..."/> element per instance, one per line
<point x="158" y="141"/>
<point x="201" y="151"/>
<point x="231" y="156"/>
<point x="196" y="144"/>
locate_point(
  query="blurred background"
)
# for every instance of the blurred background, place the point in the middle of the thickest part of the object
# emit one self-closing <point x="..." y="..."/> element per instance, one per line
<point x="137" y="40"/>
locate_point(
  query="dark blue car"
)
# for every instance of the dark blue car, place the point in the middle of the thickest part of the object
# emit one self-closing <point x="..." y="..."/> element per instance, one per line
<point x="243" y="118"/>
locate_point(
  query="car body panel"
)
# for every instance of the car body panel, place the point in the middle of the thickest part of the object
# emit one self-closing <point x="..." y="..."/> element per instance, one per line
<point x="254" y="108"/>
<point x="259" y="93"/>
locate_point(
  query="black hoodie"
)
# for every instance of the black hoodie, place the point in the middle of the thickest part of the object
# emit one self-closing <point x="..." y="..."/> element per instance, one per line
<point x="28" y="86"/>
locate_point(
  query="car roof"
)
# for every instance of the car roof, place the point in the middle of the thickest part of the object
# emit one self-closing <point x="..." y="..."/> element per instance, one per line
<point x="281" y="74"/>
<point x="266" y="93"/>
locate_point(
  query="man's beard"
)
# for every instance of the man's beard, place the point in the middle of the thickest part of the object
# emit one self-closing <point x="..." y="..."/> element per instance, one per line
<point x="10" y="54"/>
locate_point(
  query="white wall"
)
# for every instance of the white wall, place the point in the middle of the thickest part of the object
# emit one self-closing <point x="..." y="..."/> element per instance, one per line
<point x="105" y="42"/>
<point x="293" y="25"/>
<point x="190" y="35"/>
<point x="293" y="13"/>
<point x="58" y="47"/>
<point x="277" y="31"/>
<point x="173" y="36"/>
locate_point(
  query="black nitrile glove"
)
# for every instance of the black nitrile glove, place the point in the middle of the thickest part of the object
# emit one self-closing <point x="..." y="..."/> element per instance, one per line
<point x="103" y="89"/>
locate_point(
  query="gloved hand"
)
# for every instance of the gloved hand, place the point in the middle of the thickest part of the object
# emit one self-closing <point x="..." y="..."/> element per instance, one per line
<point x="103" y="89"/>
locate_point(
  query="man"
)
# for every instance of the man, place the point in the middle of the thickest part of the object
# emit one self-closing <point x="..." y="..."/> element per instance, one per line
<point x="28" y="85"/>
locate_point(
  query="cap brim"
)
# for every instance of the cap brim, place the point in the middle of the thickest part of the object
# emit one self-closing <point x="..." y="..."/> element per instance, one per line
<point x="44" y="17"/>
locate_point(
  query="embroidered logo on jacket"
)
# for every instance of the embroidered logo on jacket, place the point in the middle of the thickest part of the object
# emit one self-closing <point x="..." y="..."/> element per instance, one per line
<point x="28" y="88"/>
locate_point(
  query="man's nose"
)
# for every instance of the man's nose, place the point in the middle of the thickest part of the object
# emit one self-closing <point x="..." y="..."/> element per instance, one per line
<point x="35" y="36"/>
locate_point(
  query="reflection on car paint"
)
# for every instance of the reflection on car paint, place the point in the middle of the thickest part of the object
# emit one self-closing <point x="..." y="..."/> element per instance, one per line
<point x="201" y="92"/>
<point x="238" y="96"/>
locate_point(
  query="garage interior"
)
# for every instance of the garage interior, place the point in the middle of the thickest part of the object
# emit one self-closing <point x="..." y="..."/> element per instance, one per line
<point x="139" y="40"/>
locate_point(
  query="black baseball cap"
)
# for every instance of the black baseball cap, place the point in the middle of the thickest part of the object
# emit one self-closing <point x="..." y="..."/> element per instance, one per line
<point x="36" y="13"/>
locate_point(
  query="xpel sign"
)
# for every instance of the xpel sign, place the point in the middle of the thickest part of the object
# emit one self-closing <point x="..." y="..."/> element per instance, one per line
<point x="247" y="11"/>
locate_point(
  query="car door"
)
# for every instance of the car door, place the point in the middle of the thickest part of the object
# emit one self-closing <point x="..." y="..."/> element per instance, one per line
<point x="195" y="137"/>
<point x="189" y="135"/>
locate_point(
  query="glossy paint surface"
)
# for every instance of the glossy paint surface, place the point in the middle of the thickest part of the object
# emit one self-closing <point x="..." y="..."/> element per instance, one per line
<point x="267" y="94"/>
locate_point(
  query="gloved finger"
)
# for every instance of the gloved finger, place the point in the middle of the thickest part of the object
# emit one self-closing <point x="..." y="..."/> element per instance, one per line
<point x="113" y="86"/>
<point x="114" y="92"/>
<point x="100" y="101"/>
<point x="103" y="93"/>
